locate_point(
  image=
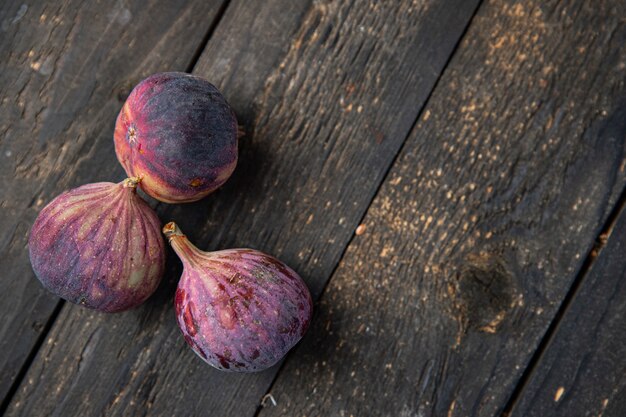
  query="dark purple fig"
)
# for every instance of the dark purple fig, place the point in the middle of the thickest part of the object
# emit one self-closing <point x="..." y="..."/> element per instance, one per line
<point x="99" y="245"/>
<point x="239" y="309"/>
<point x="177" y="132"/>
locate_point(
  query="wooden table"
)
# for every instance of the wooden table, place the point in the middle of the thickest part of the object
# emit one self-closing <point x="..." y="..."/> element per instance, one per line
<point x="477" y="148"/>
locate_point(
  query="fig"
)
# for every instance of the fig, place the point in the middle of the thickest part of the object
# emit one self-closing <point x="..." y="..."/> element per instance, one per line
<point x="179" y="135"/>
<point x="239" y="309"/>
<point x="99" y="245"/>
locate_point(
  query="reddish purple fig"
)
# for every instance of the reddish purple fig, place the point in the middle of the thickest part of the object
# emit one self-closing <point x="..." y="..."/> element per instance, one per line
<point x="239" y="309"/>
<point x="177" y="132"/>
<point x="99" y="246"/>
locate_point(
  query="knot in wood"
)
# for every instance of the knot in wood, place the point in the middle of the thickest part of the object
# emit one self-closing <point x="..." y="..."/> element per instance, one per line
<point x="486" y="292"/>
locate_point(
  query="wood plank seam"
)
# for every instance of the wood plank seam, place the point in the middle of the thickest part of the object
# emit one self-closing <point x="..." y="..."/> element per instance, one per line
<point x="595" y="250"/>
<point x="31" y="357"/>
<point x="379" y="186"/>
<point x="209" y="33"/>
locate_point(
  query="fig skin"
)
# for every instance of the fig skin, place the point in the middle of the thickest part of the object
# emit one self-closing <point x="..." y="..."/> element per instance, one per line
<point x="99" y="245"/>
<point x="177" y="132"/>
<point x="239" y="309"/>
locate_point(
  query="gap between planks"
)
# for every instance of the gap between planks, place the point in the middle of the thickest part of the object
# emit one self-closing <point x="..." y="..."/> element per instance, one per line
<point x="31" y="357"/>
<point x="207" y="36"/>
<point x="378" y="188"/>
<point x="57" y="309"/>
<point x="593" y="253"/>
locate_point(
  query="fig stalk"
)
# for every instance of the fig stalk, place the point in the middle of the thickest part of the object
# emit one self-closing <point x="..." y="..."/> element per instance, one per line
<point x="179" y="242"/>
<point x="131" y="182"/>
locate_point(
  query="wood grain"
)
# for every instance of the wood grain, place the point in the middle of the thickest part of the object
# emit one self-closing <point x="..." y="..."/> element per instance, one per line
<point x="66" y="69"/>
<point x="582" y="372"/>
<point x="481" y="225"/>
<point x="327" y="93"/>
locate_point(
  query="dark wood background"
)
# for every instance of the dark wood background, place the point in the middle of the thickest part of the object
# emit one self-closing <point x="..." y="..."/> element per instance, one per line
<point x="479" y="144"/>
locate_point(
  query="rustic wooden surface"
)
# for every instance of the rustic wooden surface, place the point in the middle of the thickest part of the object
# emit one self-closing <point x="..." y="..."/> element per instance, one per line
<point x="470" y="246"/>
<point x="481" y="226"/>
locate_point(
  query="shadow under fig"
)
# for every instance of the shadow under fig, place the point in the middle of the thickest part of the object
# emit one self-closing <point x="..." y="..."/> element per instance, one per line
<point x="321" y="344"/>
<point x="242" y="189"/>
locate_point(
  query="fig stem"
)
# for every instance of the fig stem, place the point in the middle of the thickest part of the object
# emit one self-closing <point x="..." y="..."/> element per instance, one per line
<point x="171" y="230"/>
<point x="131" y="182"/>
<point x="185" y="250"/>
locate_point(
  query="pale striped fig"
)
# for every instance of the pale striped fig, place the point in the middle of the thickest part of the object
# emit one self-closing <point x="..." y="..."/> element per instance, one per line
<point x="239" y="309"/>
<point x="99" y="245"/>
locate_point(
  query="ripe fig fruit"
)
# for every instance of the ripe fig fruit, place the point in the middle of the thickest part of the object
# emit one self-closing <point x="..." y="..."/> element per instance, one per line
<point x="179" y="135"/>
<point x="99" y="245"/>
<point x="239" y="309"/>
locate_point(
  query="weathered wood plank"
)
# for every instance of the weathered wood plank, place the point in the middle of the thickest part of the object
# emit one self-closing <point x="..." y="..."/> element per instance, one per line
<point x="582" y="372"/>
<point x="481" y="226"/>
<point x="328" y="92"/>
<point x="65" y="68"/>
